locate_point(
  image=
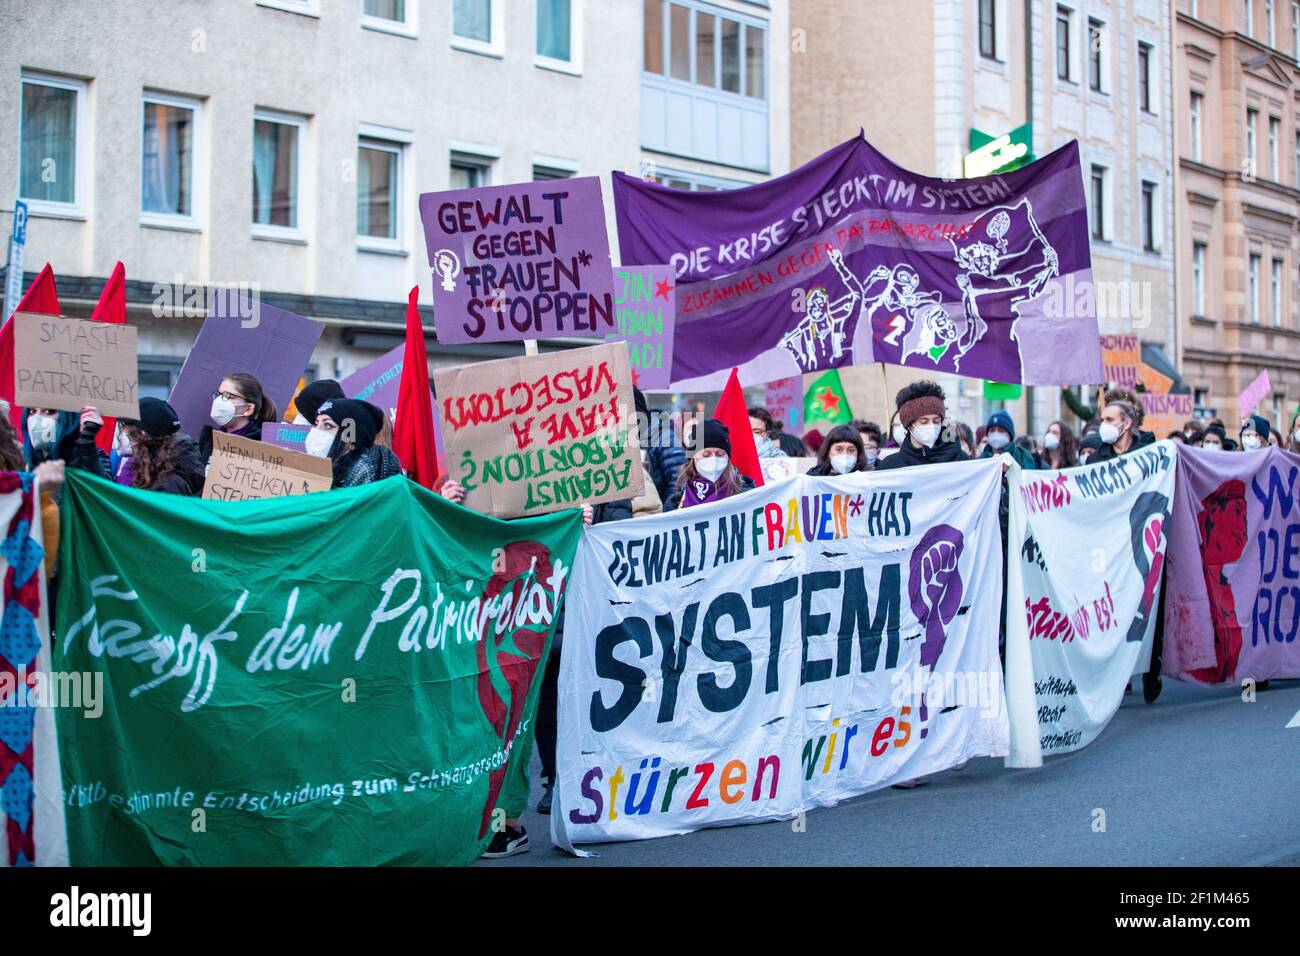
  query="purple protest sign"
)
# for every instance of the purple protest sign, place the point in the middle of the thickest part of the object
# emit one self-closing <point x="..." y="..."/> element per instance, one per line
<point x="1231" y="610"/>
<point x="644" y="309"/>
<point x="284" y="435"/>
<point x="274" y="349"/>
<point x="782" y="398"/>
<point x="1253" y="394"/>
<point x="852" y="259"/>
<point x="524" y="261"/>
<point x="379" y="382"/>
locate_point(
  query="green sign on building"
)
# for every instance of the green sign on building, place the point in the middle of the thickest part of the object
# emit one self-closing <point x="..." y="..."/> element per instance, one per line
<point x="999" y="154"/>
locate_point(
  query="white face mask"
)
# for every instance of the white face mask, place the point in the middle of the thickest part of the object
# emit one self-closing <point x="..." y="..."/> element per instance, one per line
<point x="900" y="435"/>
<point x="843" y="464"/>
<point x="319" y="442"/>
<point x="927" y="435"/>
<point x="223" y="411"/>
<point x="1109" y="433"/>
<point x="1213" y="445"/>
<point x="999" y="440"/>
<point x="122" y="444"/>
<point x="41" y="429"/>
<point x="1296" y="436"/>
<point x="1051" y="441"/>
<point x="711" y="469"/>
<point x="873" y="454"/>
<point x="1250" y="441"/>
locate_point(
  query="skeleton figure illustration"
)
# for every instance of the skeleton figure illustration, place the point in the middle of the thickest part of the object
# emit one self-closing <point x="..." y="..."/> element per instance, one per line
<point x="819" y="338"/>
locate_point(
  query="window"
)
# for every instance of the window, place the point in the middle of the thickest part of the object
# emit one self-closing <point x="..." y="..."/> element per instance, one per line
<point x="1276" y="289"/>
<point x="1248" y="14"/>
<point x="476" y="26"/>
<point x="50" y="170"/>
<point x="1251" y="116"/>
<point x="694" y="182"/>
<point x="1295" y="31"/>
<point x="277" y="149"/>
<point x="1198" y="278"/>
<point x="379" y="192"/>
<point x="1096" y="39"/>
<point x="470" y="172"/>
<point x="704" y="48"/>
<point x="1098" y="197"/>
<point x="1194" y="8"/>
<point x="558" y="34"/>
<point x="1144" y="77"/>
<point x="1063" y="17"/>
<point x="1268" y="23"/>
<point x="1274" y="134"/>
<point x="309" y="8"/>
<point x="167" y="158"/>
<point x="988" y="30"/>
<point x="390" y="16"/>
<point x="1197" y="100"/>
<point x="544" y="172"/>
<point x="1297" y="160"/>
<point x="1149" y="213"/>
<point x="1252" y="308"/>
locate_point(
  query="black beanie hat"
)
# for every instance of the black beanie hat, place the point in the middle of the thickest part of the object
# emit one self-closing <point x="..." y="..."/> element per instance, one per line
<point x="156" y="417"/>
<point x="1257" y="423"/>
<point x="365" y="419"/>
<point x="309" y="400"/>
<point x="716" y="436"/>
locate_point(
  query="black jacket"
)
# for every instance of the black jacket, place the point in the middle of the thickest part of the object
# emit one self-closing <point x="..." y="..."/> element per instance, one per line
<point x="83" y="453"/>
<point x="605" y="511"/>
<point x="187" y="478"/>
<point x="1106" y="452"/>
<point x="910" y="455"/>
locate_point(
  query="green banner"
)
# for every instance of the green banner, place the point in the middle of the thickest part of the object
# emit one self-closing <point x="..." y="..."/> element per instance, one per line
<point x="341" y="678"/>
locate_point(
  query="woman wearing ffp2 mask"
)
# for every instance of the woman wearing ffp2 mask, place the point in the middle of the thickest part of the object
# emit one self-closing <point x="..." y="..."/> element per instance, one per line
<point x="239" y="407"/>
<point x="708" y="474"/>
<point x="842" y="453"/>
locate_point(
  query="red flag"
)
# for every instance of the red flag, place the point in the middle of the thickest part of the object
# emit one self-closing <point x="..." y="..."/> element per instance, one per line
<point x="413" y="430"/>
<point x="111" y="308"/>
<point x="40" y="298"/>
<point x="734" y="413"/>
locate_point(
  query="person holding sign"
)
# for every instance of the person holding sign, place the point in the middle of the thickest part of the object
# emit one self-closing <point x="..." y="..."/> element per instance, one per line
<point x="154" y="455"/>
<point x="708" y="474"/>
<point x="239" y="407"/>
<point x="52" y="435"/>
<point x="345" y="433"/>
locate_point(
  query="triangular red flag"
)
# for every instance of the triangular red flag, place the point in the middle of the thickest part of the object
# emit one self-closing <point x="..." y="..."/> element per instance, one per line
<point x="734" y="413"/>
<point x="111" y="308"/>
<point x="43" y="299"/>
<point x="413" y="430"/>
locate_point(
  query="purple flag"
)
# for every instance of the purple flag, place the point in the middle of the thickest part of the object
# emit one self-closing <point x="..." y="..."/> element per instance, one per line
<point x="644" y="307"/>
<point x="525" y="261"/>
<point x="851" y="259"/>
<point x="1234" y="567"/>
<point x="274" y="348"/>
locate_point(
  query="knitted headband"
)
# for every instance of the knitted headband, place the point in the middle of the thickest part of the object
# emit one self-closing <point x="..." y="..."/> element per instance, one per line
<point x="915" y="408"/>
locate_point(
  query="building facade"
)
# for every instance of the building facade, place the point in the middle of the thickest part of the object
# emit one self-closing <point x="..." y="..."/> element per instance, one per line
<point x="283" y="144"/>
<point x="956" y="72"/>
<point x="1239" y="201"/>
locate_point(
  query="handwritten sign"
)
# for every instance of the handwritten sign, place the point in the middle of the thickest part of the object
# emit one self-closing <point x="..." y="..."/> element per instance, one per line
<point x="645" y="309"/>
<point x="542" y="432"/>
<point x="66" y="364"/>
<point x="1120" y="357"/>
<point x="783" y="399"/>
<point x="1165" y="413"/>
<point x="525" y="261"/>
<point x="247" y="470"/>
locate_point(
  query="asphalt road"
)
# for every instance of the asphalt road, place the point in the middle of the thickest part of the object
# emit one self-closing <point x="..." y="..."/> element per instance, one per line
<point x="1199" y="778"/>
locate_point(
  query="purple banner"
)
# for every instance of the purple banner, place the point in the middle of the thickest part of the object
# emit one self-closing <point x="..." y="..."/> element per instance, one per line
<point x="274" y="348"/>
<point x="851" y="259"/>
<point x="525" y="261"/>
<point x="1233" y="604"/>
<point x="284" y="435"/>
<point x="379" y="382"/>
<point x="644" y="310"/>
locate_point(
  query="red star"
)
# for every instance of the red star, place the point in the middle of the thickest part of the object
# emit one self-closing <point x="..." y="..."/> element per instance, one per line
<point x="662" y="289"/>
<point x="829" y="400"/>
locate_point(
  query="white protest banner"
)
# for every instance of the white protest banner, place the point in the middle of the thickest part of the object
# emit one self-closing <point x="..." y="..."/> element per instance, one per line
<point x="779" y="469"/>
<point x="1086" y="551"/>
<point x="779" y="650"/>
<point x="65" y="364"/>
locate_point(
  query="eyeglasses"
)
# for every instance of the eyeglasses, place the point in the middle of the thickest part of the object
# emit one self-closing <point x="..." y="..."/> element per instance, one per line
<point x="230" y="396"/>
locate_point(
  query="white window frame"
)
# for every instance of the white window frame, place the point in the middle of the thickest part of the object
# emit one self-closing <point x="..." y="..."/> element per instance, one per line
<point x="1103" y="54"/>
<point x="81" y="180"/>
<point x="1153" y="79"/>
<point x="1252" y="287"/>
<point x="1271" y="30"/>
<point x="307" y="8"/>
<point x="1072" y="76"/>
<point x="1295" y="32"/>
<point x="1107" y="202"/>
<point x="396" y="141"/>
<point x="298" y="233"/>
<point x="1248" y="14"/>
<point x="410" y="27"/>
<point x="1297" y="159"/>
<point x="1274" y="145"/>
<point x="496" y="23"/>
<point x="1199" y="253"/>
<point x="198" y="161"/>
<point x="1277" y="268"/>
<point x="1157" y="220"/>
<point x="1252" y="151"/>
<point x="1196" y="113"/>
<point x="557" y="163"/>
<point x="995" y="56"/>
<point x="473" y="154"/>
<point x="573" y="65"/>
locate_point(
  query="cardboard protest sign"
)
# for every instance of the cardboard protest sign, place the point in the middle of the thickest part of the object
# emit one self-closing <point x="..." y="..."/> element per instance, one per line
<point x="66" y="364"/>
<point x="524" y="261"/>
<point x="542" y="432"/>
<point x="646" y="309"/>
<point x="246" y="470"/>
<point x="782" y="398"/>
<point x="1153" y="381"/>
<point x="1165" y="413"/>
<point x="779" y="469"/>
<point x="272" y="345"/>
<point x="284" y="435"/>
<point x="1120" y="357"/>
